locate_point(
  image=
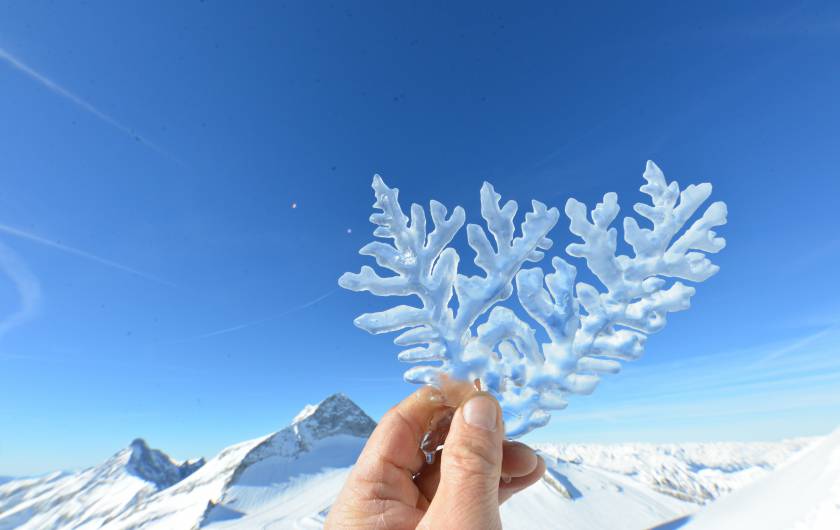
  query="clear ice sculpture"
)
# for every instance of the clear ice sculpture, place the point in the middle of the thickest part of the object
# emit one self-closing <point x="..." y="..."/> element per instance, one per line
<point x="588" y="330"/>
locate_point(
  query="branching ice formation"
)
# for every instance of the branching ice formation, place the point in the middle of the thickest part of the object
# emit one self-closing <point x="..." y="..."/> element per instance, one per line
<point x="588" y="330"/>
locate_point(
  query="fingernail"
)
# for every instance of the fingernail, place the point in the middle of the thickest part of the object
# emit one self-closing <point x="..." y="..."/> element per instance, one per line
<point x="480" y="412"/>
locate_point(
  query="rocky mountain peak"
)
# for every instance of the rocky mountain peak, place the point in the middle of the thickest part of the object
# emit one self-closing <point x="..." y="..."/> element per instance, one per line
<point x="337" y="414"/>
<point x="334" y="416"/>
<point x="155" y="466"/>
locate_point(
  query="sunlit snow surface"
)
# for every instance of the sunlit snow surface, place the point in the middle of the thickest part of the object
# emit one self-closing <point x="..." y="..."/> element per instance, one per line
<point x="589" y="330"/>
<point x="803" y="494"/>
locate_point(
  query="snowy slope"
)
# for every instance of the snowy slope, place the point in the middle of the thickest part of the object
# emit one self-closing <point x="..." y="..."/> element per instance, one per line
<point x="589" y="498"/>
<point x="248" y="476"/>
<point x="803" y="494"/>
<point x="93" y="496"/>
<point x="290" y="478"/>
<point x="695" y="472"/>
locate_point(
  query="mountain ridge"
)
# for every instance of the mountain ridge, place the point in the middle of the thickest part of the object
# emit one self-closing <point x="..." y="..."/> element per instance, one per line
<point x="289" y="479"/>
<point x="335" y="415"/>
<point x="138" y="474"/>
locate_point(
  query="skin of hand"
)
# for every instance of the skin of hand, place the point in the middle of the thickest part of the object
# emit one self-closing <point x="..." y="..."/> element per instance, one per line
<point x="392" y="488"/>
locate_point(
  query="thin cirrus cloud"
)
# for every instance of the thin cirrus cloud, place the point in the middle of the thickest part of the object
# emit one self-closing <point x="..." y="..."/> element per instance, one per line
<point x="79" y="102"/>
<point x="796" y="375"/>
<point x="245" y="325"/>
<point x="27" y="286"/>
<point x="29" y="236"/>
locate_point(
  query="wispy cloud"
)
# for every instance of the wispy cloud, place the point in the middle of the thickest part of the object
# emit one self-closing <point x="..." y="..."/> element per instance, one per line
<point x="79" y="102"/>
<point x="798" y="345"/>
<point x="27" y="285"/>
<point x="800" y="374"/>
<point x="245" y="325"/>
<point x="80" y="253"/>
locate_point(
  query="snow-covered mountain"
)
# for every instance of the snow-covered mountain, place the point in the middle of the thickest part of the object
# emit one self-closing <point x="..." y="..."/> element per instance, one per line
<point x="694" y="472"/>
<point x="91" y="496"/>
<point x="803" y="494"/>
<point x="142" y="488"/>
<point x="290" y="478"/>
<point x="637" y="486"/>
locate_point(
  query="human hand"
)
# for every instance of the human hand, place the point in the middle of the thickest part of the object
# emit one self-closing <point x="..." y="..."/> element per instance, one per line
<point x="392" y="488"/>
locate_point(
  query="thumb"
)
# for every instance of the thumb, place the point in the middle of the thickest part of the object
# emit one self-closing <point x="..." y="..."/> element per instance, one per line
<point x="471" y="466"/>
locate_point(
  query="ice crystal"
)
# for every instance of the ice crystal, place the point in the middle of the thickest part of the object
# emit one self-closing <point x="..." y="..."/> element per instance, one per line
<point x="588" y="330"/>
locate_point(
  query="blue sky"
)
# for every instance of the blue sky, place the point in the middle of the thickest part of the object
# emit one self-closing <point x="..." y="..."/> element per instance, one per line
<point x="158" y="282"/>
